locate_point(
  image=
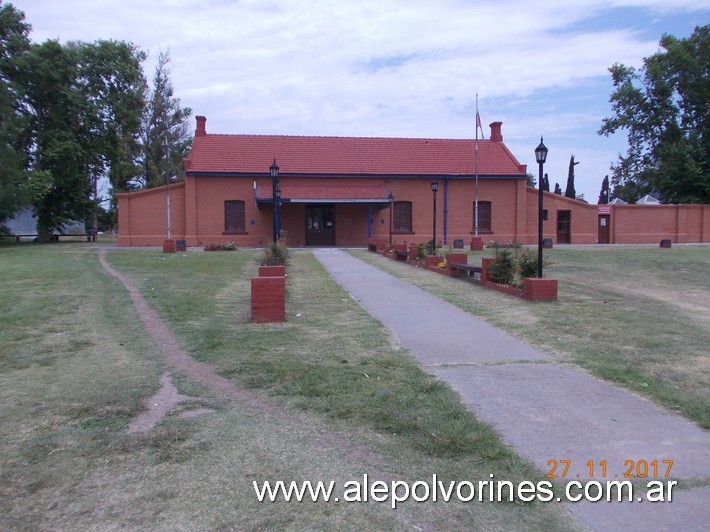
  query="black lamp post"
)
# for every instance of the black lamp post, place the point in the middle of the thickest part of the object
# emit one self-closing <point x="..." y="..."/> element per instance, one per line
<point x="278" y="212"/>
<point x="540" y="156"/>
<point x="274" y="169"/>
<point x="434" y="188"/>
<point x="390" y="198"/>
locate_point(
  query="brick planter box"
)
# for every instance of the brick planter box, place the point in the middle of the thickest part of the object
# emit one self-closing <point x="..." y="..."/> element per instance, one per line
<point x="457" y="258"/>
<point x="506" y="289"/>
<point x="272" y="271"/>
<point x="485" y="276"/>
<point x="268" y="299"/>
<point x="168" y="246"/>
<point x="536" y="289"/>
<point x="433" y="260"/>
<point x="476" y="243"/>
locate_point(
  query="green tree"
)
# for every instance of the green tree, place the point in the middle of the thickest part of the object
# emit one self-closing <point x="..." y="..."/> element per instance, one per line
<point x="15" y="190"/>
<point x="530" y="179"/>
<point x="57" y="154"/>
<point x="546" y="183"/>
<point x="165" y="133"/>
<point x="112" y="84"/>
<point x="663" y="107"/>
<point x="558" y="190"/>
<point x="84" y="103"/>
<point x="570" y="192"/>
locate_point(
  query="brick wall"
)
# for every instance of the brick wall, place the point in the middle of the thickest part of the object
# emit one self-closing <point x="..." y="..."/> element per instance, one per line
<point x="583" y="218"/>
<point x="197" y="214"/>
<point x="639" y="224"/>
<point x="142" y="218"/>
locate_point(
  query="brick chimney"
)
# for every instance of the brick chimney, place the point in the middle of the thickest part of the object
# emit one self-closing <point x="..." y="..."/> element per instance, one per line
<point x="496" y="135"/>
<point x="200" y="131"/>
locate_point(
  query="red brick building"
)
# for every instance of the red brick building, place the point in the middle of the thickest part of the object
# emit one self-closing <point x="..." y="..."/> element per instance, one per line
<point x="345" y="191"/>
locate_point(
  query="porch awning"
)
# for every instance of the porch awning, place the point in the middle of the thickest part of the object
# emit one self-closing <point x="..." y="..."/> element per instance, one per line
<point x="325" y="194"/>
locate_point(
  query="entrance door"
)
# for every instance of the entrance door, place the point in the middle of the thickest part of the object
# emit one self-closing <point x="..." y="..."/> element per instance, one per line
<point x="320" y="225"/>
<point x="564" y="227"/>
<point x="603" y="236"/>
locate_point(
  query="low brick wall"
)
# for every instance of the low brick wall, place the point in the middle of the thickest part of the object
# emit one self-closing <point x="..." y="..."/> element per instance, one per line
<point x="433" y="260"/>
<point x="485" y="276"/>
<point x="268" y="299"/>
<point x="505" y="288"/>
<point x="457" y="258"/>
<point x="536" y="289"/>
<point x="272" y="271"/>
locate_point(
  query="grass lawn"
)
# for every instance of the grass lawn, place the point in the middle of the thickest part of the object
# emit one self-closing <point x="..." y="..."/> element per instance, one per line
<point x="637" y="316"/>
<point x="76" y="366"/>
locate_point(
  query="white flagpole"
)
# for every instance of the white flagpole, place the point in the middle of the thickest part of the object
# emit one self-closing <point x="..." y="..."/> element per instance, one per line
<point x="475" y="203"/>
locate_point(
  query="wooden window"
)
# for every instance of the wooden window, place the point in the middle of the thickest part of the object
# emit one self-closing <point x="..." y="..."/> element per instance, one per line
<point x="234" y="216"/>
<point x="484" y="217"/>
<point x="402" y="217"/>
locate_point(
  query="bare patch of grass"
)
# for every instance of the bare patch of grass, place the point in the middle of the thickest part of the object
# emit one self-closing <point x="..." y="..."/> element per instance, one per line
<point x="637" y="316"/>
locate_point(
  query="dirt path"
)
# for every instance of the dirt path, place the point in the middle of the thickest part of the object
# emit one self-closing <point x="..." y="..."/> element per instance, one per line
<point x="203" y="373"/>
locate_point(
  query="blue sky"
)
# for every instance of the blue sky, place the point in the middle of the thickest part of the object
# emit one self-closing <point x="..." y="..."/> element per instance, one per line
<point x="394" y="68"/>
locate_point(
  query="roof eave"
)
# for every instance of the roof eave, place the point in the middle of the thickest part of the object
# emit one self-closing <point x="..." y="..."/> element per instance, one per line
<point x="253" y="175"/>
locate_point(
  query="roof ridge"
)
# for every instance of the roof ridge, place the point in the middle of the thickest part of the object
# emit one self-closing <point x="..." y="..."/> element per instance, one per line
<point x="268" y="135"/>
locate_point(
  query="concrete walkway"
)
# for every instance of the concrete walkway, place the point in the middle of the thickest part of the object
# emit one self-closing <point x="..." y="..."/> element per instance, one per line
<point x="544" y="410"/>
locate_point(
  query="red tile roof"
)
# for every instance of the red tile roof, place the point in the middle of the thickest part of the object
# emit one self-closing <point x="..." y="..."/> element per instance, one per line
<point x="253" y="154"/>
<point x="327" y="193"/>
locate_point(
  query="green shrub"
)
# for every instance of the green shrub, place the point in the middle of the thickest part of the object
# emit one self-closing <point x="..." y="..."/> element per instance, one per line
<point x="502" y="269"/>
<point x="423" y="250"/>
<point x="275" y="254"/>
<point x="527" y="264"/>
<point x="512" y="268"/>
<point x="224" y="246"/>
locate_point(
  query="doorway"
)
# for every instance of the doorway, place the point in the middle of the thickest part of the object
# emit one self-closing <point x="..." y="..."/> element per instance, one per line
<point x="564" y="227"/>
<point x="603" y="234"/>
<point x="320" y="225"/>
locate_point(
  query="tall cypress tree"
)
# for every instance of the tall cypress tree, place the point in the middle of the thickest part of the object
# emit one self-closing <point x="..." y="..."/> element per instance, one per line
<point x="569" y="191"/>
<point x="604" y="192"/>
<point x="164" y="133"/>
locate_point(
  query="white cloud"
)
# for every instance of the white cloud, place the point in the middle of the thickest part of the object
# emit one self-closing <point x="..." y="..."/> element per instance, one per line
<point x="384" y="67"/>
